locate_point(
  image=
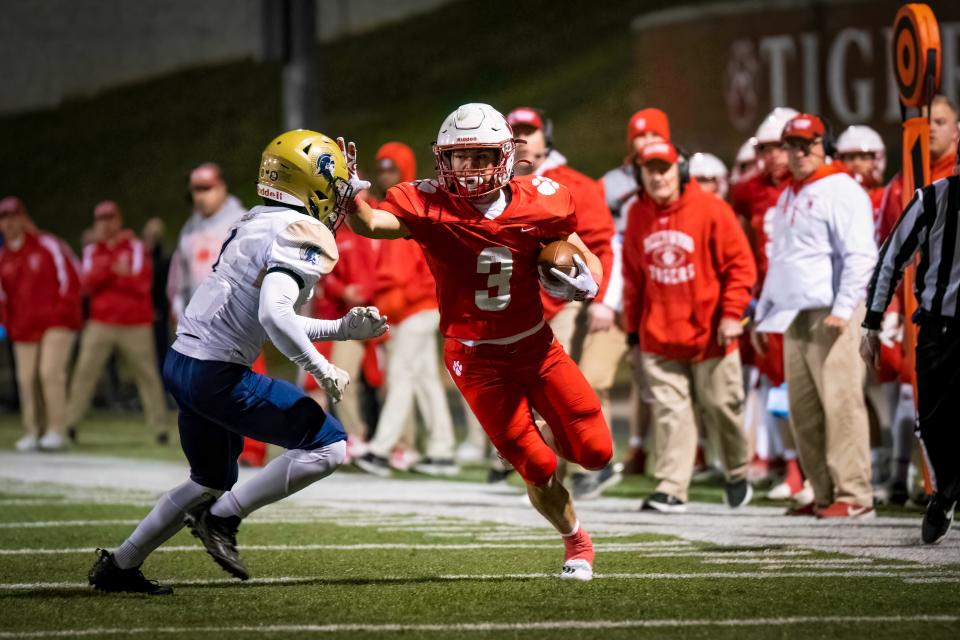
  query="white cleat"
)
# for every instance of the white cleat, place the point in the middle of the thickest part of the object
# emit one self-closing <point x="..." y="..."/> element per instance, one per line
<point x="52" y="442"/>
<point x="577" y="570"/>
<point x="805" y="495"/>
<point x="28" y="442"/>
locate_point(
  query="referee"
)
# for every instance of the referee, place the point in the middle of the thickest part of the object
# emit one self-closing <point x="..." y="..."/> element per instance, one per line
<point x="929" y="224"/>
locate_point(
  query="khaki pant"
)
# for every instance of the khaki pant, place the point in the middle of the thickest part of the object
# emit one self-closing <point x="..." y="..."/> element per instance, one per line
<point x="678" y="388"/>
<point x="135" y="344"/>
<point x="827" y="410"/>
<point x="413" y="372"/>
<point x="348" y="355"/>
<point x="44" y="362"/>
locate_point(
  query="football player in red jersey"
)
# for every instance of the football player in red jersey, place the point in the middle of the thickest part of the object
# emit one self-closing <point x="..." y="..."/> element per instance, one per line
<point x="482" y="230"/>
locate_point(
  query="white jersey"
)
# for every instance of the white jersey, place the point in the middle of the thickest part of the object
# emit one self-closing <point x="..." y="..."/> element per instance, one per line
<point x="221" y="322"/>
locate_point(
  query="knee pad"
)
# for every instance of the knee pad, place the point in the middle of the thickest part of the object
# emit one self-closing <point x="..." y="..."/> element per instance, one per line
<point x="188" y="496"/>
<point x="538" y="466"/>
<point x="306" y="466"/>
<point x="596" y="453"/>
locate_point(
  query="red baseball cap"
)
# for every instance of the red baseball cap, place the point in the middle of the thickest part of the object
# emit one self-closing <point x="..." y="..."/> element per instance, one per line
<point x="525" y="116"/>
<point x="662" y="151"/>
<point x="205" y="176"/>
<point x="804" y="126"/>
<point x="12" y="205"/>
<point x="106" y="209"/>
<point x="648" y="121"/>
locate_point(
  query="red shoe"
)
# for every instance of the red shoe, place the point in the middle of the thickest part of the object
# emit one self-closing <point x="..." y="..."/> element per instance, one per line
<point x="794" y="476"/>
<point x="578" y="556"/>
<point x="809" y="509"/>
<point x="840" y="509"/>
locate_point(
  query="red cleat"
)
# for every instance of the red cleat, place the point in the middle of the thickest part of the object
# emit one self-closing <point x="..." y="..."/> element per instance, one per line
<point x="840" y="509"/>
<point x="578" y="557"/>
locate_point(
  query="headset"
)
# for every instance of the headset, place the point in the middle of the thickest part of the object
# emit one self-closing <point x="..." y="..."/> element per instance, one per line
<point x="547" y="128"/>
<point x="829" y="141"/>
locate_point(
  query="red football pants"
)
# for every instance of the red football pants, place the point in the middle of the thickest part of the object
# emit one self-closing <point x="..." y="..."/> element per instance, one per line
<point x="503" y="384"/>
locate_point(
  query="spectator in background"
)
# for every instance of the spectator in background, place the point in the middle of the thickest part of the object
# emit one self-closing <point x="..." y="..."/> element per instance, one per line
<point x="40" y="308"/>
<point x="755" y="200"/>
<point x="214" y="212"/>
<point x="620" y="188"/>
<point x="602" y="346"/>
<point x="118" y="276"/>
<point x="406" y="294"/>
<point x="823" y="254"/>
<point x="688" y="275"/>
<point x="710" y="172"/>
<point x="153" y="234"/>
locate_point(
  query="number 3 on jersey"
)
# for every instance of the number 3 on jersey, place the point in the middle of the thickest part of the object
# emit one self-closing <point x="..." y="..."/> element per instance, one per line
<point x="499" y="279"/>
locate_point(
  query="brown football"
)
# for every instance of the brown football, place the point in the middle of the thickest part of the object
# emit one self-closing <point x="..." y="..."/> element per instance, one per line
<point x="558" y="254"/>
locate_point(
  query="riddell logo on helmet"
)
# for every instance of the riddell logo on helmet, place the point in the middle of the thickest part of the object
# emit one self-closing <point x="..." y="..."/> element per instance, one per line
<point x="266" y="192"/>
<point x="467" y="139"/>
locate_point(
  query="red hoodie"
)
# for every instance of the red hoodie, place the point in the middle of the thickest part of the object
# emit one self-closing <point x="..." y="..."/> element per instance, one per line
<point x="39" y="288"/>
<point x="116" y="298"/>
<point x="594" y="226"/>
<point x="686" y="265"/>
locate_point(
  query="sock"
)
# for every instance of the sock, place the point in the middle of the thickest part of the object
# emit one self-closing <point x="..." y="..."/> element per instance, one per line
<point x="573" y="532"/>
<point x="578" y="546"/>
<point x="163" y="521"/>
<point x="284" y="475"/>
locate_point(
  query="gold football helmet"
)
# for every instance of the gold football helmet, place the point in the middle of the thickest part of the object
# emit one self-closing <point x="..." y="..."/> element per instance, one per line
<point x="304" y="168"/>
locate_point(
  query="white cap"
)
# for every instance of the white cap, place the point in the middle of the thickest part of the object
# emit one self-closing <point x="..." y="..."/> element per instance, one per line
<point x="772" y="126"/>
<point x="860" y="139"/>
<point x="707" y="165"/>
<point x="747" y="151"/>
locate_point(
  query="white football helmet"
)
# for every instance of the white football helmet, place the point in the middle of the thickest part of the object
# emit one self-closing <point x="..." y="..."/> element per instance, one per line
<point x="863" y="139"/>
<point x="747" y="152"/>
<point x="772" y="126"/>
<point x="709" y="167"/>
<point x="474" y="126"/>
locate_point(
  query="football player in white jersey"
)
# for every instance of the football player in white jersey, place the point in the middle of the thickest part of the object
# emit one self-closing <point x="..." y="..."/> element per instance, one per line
<point x="267" y="267"/>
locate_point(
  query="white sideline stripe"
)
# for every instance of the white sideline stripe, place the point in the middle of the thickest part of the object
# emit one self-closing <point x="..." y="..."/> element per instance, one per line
<point x="930" y="580"/>
<point x="484" y="626"/>
<point x="46" y="586"/>
<point x="619" y="546"/>
<point x="41" y="524"/>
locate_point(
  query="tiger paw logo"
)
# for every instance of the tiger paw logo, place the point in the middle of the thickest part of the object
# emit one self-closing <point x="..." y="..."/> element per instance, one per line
<point x="546" y="186"/>
<point x="457" y="368"/>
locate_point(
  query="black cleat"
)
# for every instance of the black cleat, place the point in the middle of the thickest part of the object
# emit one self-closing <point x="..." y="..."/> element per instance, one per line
<point x="664" y="503"/>
<point x="219" y="537"/>
<point x="937" y="519"/>
<point x="105" y="575"/>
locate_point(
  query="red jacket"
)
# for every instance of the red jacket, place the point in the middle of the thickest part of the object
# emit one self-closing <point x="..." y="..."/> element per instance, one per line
<point x="594" y="226"/>
<point x="356" y="265"/>
<point x="685" y="266"/>
<point x="39" y="288"/>
<point x="754" y="200"/>
<point x="119" y="298"/>
<point x="405" y="285"/>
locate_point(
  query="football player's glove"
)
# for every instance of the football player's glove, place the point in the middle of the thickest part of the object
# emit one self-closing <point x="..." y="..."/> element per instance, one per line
<point x="333" y="380"/>
<point x="582" y="286"/>
<point x="363" y="323"/>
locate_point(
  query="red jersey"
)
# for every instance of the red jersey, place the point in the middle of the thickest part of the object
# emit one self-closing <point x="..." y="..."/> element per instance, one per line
<point x="755" y="201"/>
<point x="39" y="287"/>
<point x="485" y="264"/>
<point x="594" y="226"/>
<point x="114" y="298"/>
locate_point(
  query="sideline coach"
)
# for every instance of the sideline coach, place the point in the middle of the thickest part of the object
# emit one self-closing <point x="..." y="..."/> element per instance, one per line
<point x="929" y="224"/>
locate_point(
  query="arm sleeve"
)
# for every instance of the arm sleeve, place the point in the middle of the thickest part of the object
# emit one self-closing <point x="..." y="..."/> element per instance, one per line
<point x="897" y="251"/>
<point x="853" y="233"/>
<point x="738" y="271"/>
<point x="286" y="330"/>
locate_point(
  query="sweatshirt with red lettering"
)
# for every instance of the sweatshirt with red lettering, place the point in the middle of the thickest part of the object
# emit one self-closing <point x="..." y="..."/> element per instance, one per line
<point x="686" y="265"/>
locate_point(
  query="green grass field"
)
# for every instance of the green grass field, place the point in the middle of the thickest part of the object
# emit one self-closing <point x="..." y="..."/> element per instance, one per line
<point x="351" y="562"/>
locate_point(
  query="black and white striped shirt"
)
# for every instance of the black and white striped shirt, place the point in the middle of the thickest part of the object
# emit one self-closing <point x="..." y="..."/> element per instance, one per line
<point x="929" y="224"/>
